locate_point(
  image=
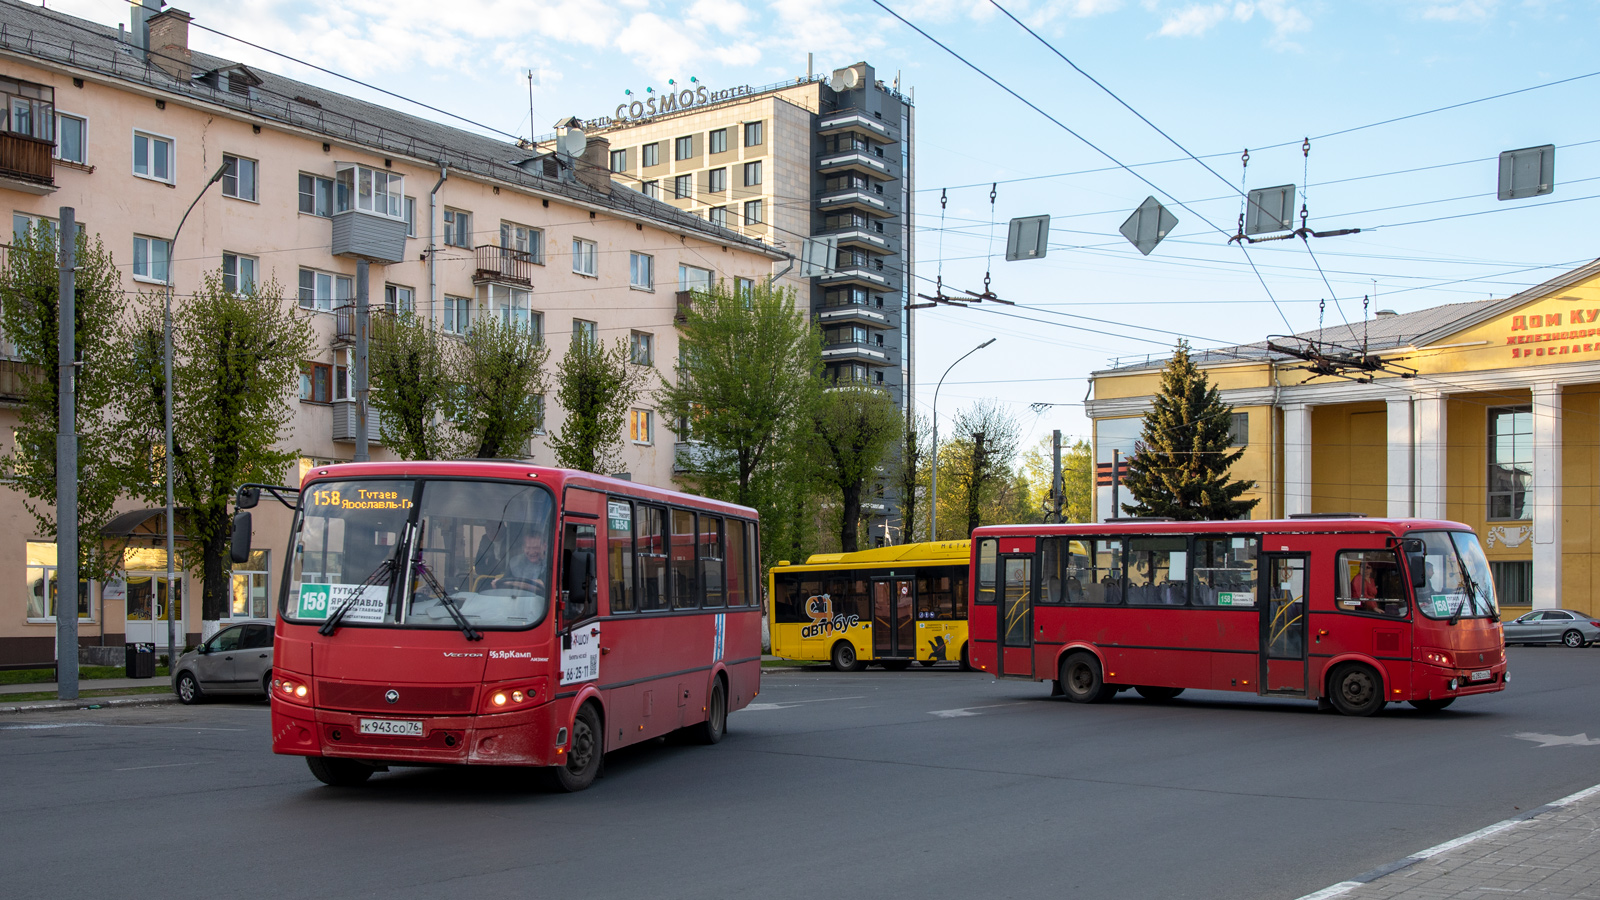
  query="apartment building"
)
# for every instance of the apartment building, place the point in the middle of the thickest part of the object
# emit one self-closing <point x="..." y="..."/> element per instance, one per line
<point x="126" y="125"/>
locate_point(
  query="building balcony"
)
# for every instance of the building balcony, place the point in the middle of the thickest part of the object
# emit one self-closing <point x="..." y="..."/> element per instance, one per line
<point x="344" y="423"/>
<point x="854" y="161"/>
<point x="369" y="236"/>
<point x="503" y="265"/>
<point x="688" y="456"/>
<point x="854" y="120"/>
<point x="26" y="164"/>
<point x="839" y="315"/>
<point x="862" y="239"/>
<point x="858" y="199"/>
<point x="856" y="351"/>
<point x="15" y="377"/>
<point x="854" y="274"/>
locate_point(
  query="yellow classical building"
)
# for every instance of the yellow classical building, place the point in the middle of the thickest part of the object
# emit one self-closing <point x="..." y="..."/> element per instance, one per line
<point x="1486" y="413"/>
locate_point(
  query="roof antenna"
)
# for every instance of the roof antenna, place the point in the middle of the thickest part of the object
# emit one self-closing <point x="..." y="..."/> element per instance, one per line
<point x="533" y="79"/>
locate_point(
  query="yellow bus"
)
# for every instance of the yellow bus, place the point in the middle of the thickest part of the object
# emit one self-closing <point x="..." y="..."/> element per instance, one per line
<point x="889" y="605"/>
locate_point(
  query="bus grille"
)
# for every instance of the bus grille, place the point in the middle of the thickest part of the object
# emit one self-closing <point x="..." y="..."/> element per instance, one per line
<point x="412" y="698"/>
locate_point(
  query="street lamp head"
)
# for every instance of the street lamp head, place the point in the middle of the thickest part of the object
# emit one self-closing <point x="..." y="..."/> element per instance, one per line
<point x="217" y="175"/>
<point x="986" y="343"/>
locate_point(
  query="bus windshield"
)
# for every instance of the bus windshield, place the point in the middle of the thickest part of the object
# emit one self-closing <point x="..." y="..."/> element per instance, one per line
<point x="401" y="552"/>
<point x="1454" y="576"/>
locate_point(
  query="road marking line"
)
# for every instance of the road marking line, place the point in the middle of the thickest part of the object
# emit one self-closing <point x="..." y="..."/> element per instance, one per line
<point x="162" y="766"/>
<point x="1345" y="887"/>
<point x="965" y="711"/>
<point x="788" y="704"/>
<point x="43" y="726"/>
<point x="1557" y="740"/>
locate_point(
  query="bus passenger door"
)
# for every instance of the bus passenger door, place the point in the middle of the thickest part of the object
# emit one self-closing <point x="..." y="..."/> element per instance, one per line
<point x="1283" y="625"/>
<point x="1015" y="610"/>
<point x="893" y="619"/>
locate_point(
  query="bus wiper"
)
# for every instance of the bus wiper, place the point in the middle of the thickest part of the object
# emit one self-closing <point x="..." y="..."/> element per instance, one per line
<point x="383" y="573"/>
<point x="449" y="602"/>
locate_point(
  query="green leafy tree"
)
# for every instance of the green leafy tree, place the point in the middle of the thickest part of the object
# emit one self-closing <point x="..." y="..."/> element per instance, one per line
<point x="854" y="428"/>
<point x="1181" y="464"/>
<point x="235" y="373"/>
<point x="1077" y="472"/>
<point x="977" y="478"/>
<point x="30" y="317"/>
<point x="595" y="386"/>
<point x="910" y="471"/>
<point x="500" y="386"/>
<point x="410" y="368"/>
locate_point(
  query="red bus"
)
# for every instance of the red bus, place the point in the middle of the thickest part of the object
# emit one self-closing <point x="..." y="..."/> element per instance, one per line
<point x="499" y="613"/>
<point x="1349" y="611"/>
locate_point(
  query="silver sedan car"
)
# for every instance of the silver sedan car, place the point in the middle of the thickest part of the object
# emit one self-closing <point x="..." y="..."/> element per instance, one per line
<point x="1552" y="626"/>
<point x="237" y="660"/>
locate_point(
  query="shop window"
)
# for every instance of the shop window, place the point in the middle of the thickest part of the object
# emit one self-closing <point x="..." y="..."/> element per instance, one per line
<point x="250" y="599"/>
<point x="41" y="580"/>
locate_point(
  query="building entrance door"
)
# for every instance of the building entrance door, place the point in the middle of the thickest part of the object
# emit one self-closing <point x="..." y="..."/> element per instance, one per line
<point x="147" y="610"/>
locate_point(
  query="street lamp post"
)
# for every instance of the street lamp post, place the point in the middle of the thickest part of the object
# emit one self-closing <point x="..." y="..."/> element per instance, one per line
<point x="933" y="509"/>
<point x="166" y="365"/>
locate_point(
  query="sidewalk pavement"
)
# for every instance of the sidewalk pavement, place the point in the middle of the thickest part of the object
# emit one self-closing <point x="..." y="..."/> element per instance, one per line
<point x="87" y="684"/>
<point x="1551" y="851"/>
<point x="94" y="684"/>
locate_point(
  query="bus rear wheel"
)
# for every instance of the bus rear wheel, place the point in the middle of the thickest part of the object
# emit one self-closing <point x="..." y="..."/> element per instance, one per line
<point x="716" y="724"/>
<point x="1081" y="679"/>
<point x="897" y="665"/>
<point x="1355" y="690"/>
<point x="1432" y="705"/>
<point x="927" y="663"/>
<point x="1158" y="693"/>
<point x="583" y="754"/>
<point x="844" y="658"/>
<point x="338" y="772"/>
<point x="966" y="664"/>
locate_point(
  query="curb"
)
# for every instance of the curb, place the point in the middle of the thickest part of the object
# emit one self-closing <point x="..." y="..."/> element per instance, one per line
<point x="88" y="703"/>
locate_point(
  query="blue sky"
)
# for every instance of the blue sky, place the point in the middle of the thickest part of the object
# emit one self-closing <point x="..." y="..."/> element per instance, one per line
<point x="1217" y="76"/>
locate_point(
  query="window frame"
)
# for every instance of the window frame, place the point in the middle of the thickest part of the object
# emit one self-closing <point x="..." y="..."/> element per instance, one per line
<point x="1339" y="599"/>
<point x="150" y="243"/>
<point x="232" y="173"/>
<point x="619" y="155"/>
<point x="683" y="187"/>
<point x="335" y="281"/>
<point x="760" y="217"/>
<point x="650" y="155"/>
<point x="718" y="216"/>
<point x="755" y="128"/>
<point x="648" y="267"/>
<point x="316" y="195"/>
<point x="716" y="137"/>
<point x="47" y="576"/>
<point x="1526" y="569"/>
<point x="680" y="154"/>
<point x="749" y="167"/>
<point x="717" y="180"/>
<point x="391" y="298"/>
<point x="646" y="340"/>
<point x="83" y="138"/>
<point x="456" y="314"/>
<point x="644" y="418"/>
<point x="409" y="207"/>
<point x="172" y="156"/>
<point x="592" y="257"/>
<point x="237" y="258"/>
<point x="615" y="539"/>
<point x="457" y="227"/>
<point x="309" y="384"/>
<point x="1491" y="462"/>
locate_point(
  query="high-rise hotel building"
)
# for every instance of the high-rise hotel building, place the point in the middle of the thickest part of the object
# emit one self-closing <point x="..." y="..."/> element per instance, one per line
<point x="820" y="157"/>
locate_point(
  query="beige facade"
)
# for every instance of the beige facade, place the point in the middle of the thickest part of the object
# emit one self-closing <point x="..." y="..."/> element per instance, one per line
<point x="515" y="235"/>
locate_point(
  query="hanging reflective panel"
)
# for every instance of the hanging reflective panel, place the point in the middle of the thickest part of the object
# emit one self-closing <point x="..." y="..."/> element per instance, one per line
<point x="1269" y="209"/>
<point x="1029" y="238"/>
<point x="1528" y="172"/>
<point x="1148" y="225"/>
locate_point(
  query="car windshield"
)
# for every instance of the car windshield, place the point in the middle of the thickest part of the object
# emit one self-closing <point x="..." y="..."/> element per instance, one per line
<point x="1455" y="581"/>
<point x="400" y="552"/>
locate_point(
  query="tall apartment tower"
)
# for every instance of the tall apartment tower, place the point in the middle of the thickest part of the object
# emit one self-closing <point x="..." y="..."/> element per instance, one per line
<point x="828" y="159"/>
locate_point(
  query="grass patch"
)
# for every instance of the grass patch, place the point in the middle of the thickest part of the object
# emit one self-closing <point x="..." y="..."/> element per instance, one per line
<point x="85" y="673"/>
<point x="34" y="696"/>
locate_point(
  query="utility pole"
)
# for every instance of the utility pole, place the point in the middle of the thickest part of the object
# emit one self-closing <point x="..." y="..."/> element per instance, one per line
<point x="976" y="483"/>
<point x="1116" y="483"/>
<point x="67" y="464"/>
<point x="359" y="364"/>
<point x="1055" y="476"/>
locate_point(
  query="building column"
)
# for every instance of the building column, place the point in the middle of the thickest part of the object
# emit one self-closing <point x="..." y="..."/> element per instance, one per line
<point x="1400" y="462"/>
<point x="1432" y="451"/>
<point x="1546" y="495"/>
<point x="1296" y="458"/>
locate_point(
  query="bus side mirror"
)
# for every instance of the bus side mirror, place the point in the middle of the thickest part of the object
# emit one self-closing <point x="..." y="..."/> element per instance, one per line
<point x="1419" y="571"/>
<point x="248" y="498"/>
<point x="239" y="545"/>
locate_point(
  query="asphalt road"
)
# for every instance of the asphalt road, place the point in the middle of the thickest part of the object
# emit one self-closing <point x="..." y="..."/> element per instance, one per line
<point x="927" y="784"/>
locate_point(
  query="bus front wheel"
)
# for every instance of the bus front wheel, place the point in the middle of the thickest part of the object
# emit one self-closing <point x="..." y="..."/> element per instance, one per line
<point x="338" y="772"/>
<point x="1081" y="680"/>
<point x="583" y="754"/>
<point x="1432" y="705"/>
<point x="844" y="658"/>
<point x="1355" y="690"/>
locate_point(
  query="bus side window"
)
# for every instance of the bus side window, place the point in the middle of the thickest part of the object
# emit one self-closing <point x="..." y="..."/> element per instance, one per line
<point x="1052" y="580"/>
<point x="958" y="590"/>
<point x="987" y="552"/>
<point x="1369" y="581"/>
<point x="619" y="555"/>
<point x="711" y="559"/>
<point x="738" y="571"/>
<point x="685" y="589"/>
<point x="1097" y="564"/>
<point x="580" y="538"/>
<point x="650" y="549"/>
<point x="1158" y="571"/>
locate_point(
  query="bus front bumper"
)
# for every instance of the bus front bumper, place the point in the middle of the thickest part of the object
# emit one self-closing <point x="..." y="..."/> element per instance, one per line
<point x="522" y="738"/>
<point x="1436" y="683"/>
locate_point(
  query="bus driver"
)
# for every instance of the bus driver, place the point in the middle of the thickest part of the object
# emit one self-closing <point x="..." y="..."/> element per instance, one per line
<point x="528" y="569"/>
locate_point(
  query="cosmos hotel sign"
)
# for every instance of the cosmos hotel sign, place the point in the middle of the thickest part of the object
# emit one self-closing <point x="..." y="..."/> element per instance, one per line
<point x="670" y="101"/>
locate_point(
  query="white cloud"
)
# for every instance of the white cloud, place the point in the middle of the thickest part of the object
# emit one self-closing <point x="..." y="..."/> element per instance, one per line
<point x="1459" y="11"/>
<point x="1197" y="19"/>
<point x="1194" y="21"/>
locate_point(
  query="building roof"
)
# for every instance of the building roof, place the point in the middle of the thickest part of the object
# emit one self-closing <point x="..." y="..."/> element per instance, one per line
<point x="46" y="35"/>
<point x="1378" y="334"/>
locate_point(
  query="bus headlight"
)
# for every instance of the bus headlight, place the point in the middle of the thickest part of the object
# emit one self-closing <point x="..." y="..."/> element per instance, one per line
<point x="1455" y="683"/>
<point x="506" y="698"/>
<point x="291" y="690"/>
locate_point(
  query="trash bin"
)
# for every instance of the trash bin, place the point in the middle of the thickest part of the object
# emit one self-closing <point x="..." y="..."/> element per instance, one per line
<point x="141" y="660"/>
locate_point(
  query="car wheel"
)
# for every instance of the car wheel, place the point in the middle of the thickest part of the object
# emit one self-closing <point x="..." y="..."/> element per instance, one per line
<point x="584" y="751"/>
<point x="1573" y="638"/>
<point x="338" y="772"/>
<point x="844" y="658"/>
<point x="1432" y="705"/>
<point x="1355" y="690"/>
<point x="266" y="684"/>
<point x="716" y="724"/>
<point x="1081" y="681"/>
<point x="1158" y="693"/>
<point x="189" y="689"/>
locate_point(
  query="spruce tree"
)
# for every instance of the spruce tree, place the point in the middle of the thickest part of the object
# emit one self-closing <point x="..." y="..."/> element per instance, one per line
<point x="1180" y="468"/>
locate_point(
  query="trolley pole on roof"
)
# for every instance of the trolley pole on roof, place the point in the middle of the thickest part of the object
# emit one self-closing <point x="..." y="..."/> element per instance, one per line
<point x="66" y="610"/>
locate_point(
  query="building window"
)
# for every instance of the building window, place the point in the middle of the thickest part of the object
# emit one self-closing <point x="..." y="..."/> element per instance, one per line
<point x="1513" y="582"/>
<point x="650" y="155"/>
<point x="41" y="574"/>
<point x="250" y="599"/>
<point x="683" y="148"/>
<point x="642" y="271"/>
<point x="585" y="330"/>
<point x="31" y="109"/>
<point x="744" y="289"/>
<point x="370" y="190"/>
<point x="316" y="195"/>
<point x="72" y="138"/>
<point x="239" y="273"/>
<point x="1511" y="462"/>
<point x="752" y="173"/>
<point x="323" y="290"/>
<point x="511" y="305"/>
<point x="717" y="180"/>
<point x="316" y="382"/>
<point x="458" y="228"/>
<point x="693" y="278"/>
<point x="683" y="187"/>
<point x="150" y="257"/>
<point x="752" y="212"/>
<point x="642" y="348"/>
<point x="152" y="157"/>
<point x="619" y="160"/>
<point x="398" y="299"/>
<point x="718" y="215"/>
<point x="640" y="426"/>
<point x="752" y="134"/>
<point x="411" y="217"/>
<point x="522" y="238"/>
<point x="651" y="189"/>
<point x="1239" y="430"/>
<point x="457" y="315"/>
<point x="584" y="255"/>
<point x="719" y="141"/>
<point x="239" y="178"/>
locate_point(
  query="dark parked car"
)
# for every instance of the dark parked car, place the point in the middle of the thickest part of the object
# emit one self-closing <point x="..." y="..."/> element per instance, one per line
<point x="237" y="660"/>
<point x="1550" y="626"/>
